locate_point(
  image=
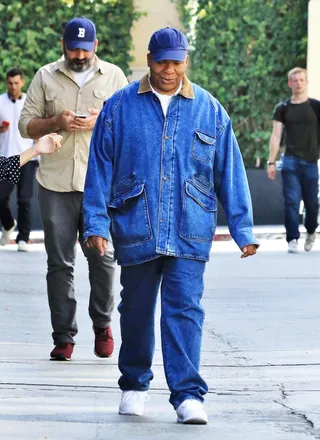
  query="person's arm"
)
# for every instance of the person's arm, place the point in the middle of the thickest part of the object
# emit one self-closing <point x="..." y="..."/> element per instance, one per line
<point x="38" y="127"/>
<point x="274" y="147"/>
<point x="232" y="189"/>
<point x="33" y="123"/>
<point x="122" y="80"/>
<point x="45" y="145"/>
<point x="98" y="187"/>
<point x="10" y="167"/>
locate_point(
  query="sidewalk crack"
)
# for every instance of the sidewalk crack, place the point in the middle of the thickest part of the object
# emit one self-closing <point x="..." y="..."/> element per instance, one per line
<point x="308" y="422"/>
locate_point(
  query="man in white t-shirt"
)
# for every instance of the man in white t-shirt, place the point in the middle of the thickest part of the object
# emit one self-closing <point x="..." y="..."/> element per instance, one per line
<point x="11" y="143"/>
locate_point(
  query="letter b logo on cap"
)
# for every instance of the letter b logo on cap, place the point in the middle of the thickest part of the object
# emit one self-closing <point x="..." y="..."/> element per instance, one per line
<point x="82" y="32"/>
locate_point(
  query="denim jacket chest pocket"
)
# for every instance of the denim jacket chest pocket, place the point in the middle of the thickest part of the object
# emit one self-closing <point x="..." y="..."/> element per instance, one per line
<point x="129" y="213"/>
<point x="203" y="146"/>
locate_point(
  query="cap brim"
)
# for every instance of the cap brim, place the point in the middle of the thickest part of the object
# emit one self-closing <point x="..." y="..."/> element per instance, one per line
<point x="85" y="45"/>
<point x="170" y="55"/>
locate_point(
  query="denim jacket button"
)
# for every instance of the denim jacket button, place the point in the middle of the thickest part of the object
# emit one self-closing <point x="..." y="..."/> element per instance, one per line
<point x="166" y="137"/>
<point x="165" y="178"/>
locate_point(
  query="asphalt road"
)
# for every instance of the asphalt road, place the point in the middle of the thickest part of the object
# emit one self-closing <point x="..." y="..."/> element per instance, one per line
<point x="261" y="355"/>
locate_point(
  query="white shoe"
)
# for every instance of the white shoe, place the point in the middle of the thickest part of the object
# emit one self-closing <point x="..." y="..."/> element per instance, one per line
<point x="6" y="235"/>
<point x="132" y="403"/>
<point x="308" y="245"/>
<point x="293" y="247"/>
<point x="191" y="411"/>
<point x="22" y="246"/>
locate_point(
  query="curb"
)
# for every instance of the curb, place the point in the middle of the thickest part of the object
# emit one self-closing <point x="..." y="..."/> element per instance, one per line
<point x="217" y="237"/>
<point x="273" y="233"/>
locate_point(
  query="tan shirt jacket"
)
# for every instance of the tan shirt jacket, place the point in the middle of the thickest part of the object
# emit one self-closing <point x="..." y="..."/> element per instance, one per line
<point x="51" y="92"/>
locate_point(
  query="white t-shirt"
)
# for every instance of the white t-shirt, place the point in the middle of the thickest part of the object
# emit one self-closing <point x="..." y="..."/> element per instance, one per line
<point x="165" y="99"/>
<point x="11" y="142"/>
<point x="82" y="77"/>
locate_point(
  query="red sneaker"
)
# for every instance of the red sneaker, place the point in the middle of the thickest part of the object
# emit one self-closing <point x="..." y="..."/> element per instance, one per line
<point x="62" y="352"/>
<point x="103" y="343"/>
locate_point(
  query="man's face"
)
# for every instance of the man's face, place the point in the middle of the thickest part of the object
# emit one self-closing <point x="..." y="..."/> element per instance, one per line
<point x="79" y="60"/>
<point x="166" y="75"/>
<point x="298" y="83"/>
<point x="14" y="86"/>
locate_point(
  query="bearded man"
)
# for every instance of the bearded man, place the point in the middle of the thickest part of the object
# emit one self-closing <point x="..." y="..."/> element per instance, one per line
<point x="66" y="97"/>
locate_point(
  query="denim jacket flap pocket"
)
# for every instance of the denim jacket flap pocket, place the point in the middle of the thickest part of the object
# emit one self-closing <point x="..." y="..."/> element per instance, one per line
<point x="127" y="195"/>
<point x="203" y="146"/>
<point x="129" y="212"/>
<point x="201" y="196"/>
<point x="211" y="140"/>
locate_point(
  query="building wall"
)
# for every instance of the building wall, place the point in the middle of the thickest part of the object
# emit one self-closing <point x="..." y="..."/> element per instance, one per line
<point x="160" y="13"/>
<point x="314" y="49"/>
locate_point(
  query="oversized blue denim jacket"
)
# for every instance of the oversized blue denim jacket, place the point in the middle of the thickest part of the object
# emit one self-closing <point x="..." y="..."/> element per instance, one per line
<point x="154" y="180"/>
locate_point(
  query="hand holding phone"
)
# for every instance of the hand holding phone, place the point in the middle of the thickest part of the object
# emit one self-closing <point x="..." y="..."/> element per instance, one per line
<point x="81" y="116"/>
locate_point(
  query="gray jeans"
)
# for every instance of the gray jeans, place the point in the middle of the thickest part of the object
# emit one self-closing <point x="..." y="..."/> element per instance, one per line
<point x="62" y="219"/>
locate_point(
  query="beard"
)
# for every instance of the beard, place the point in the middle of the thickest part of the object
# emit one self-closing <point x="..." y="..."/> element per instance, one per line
<point x="76" y="64"/>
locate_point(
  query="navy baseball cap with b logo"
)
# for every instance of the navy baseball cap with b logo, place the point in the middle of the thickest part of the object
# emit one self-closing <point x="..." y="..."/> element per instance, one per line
<point x="168" y="44"/>
<point x="80" y="33"/>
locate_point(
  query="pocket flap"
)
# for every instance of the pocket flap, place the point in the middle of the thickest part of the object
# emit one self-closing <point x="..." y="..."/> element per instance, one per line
<point x="201" y="196"/>
<point x="101" y="94"/>
<point x="127" y="196"/>
<point x="207" y="139"/>
<point x="52" y="95"/>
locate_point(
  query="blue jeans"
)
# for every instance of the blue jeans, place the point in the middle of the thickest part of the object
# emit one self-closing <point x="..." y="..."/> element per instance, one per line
<point x="181" y="284"/>
<point x="299" y="181"/>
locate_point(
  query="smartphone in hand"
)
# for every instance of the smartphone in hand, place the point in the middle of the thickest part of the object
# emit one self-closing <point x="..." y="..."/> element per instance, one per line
<point x="81" y="116"/>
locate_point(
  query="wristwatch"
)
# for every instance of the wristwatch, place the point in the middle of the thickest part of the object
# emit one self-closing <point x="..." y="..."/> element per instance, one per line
<point x="270" y="163"/>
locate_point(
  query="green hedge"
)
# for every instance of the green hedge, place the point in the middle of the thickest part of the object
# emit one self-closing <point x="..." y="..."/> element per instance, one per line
<point x="243" y="50"/>
<point x="31" y="31"/>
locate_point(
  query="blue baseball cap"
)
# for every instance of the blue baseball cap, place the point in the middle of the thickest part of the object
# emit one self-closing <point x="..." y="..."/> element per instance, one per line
<point x="80" y="33"/>
<point x="168" y="44"/>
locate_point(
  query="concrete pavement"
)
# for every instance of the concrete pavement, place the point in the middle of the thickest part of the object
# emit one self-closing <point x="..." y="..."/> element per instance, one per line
<point x="261" y="355"/>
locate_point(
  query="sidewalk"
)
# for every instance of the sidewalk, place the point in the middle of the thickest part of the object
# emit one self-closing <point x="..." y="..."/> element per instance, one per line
<point x="260" y="355"/>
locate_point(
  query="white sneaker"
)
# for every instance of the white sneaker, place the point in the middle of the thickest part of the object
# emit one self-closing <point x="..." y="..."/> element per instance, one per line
<point x="191" y="411"/>
<point x="308" y="245"/>
<point x="6" y="235"/>
<point x="293" y="247"/>
<point x="22" y="246"/>
<point x="132" y="403"/>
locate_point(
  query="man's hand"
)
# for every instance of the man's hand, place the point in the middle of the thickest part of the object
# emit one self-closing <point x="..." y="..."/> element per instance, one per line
<point x="85" y="124"/>
<point x="100" y="243"/>
<point x="272" y="172"/>
<point x="65" y="119"/>
<point x="249" y="250"/>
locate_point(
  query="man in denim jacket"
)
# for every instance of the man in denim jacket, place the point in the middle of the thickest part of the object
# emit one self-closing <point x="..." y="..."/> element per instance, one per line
<point x="162" y="152"/>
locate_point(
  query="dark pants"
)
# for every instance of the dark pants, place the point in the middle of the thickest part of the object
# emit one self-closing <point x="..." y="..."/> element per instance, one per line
<point x="62" y="218"/>
<point x="299" y="181"/>
<point x="24" y="196"/>
<point x="181" y="285"/>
